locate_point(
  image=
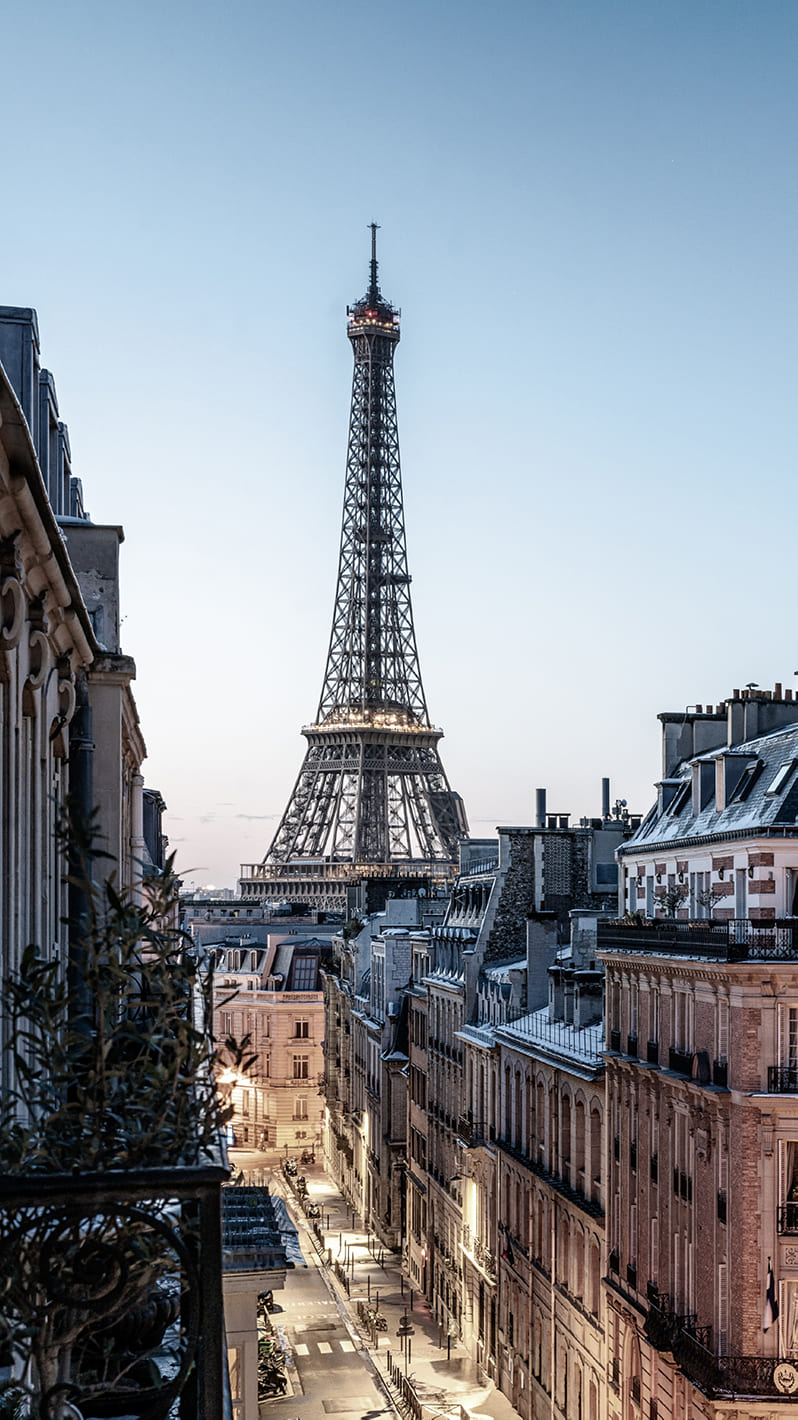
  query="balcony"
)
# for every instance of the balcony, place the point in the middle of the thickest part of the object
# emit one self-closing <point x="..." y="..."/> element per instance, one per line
<point x="631" y="1045"/>
<point x="614" y="1262"/>
<point x="783" y="1079"/>
<point x="615" y="1040"/>
<point x="652" y="1052"/>
<point x="787" y="1218"/>
<point x="681" y="1061"/>
<point x="720" y="1072"/>
<point x="735" y="941"/>
<point x="631" y="1275"/>
<point x="118" y="1278"/>
<point x="722" y="1377"/>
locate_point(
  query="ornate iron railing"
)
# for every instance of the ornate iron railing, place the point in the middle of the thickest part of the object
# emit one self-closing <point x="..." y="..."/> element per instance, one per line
<point x="736" y="940"/>
<point x="719" y="1376"/>
<point x="110" y="1280"/>
<point x="788" y="1217"/>
<point x="783" y="1079"/>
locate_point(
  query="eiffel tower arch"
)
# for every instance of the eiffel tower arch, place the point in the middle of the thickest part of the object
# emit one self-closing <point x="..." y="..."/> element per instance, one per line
<point x="371" y="797"/>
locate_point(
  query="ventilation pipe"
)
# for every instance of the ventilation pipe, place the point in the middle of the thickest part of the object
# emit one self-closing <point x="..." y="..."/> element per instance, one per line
<point x="540" y="808"/>
<point x="605" y="798"/>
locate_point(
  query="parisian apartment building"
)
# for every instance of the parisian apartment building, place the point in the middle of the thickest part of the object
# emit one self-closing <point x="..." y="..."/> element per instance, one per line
<point x="572" y="1101"/>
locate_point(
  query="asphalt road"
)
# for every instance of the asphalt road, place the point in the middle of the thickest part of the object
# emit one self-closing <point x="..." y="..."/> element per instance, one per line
<point x="330" y="1372"/>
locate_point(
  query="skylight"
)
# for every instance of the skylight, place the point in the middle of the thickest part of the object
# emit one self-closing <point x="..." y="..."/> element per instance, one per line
<point x="781" y="778"/>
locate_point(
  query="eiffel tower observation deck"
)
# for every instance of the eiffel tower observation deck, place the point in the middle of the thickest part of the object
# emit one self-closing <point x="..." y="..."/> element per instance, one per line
<point x="372" y="798"/>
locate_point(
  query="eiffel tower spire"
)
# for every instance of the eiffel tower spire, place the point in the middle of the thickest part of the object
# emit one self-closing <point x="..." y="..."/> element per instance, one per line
<point x="372" y="793"/>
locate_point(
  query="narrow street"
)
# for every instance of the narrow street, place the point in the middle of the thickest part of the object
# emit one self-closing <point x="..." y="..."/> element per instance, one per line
<point x="333" y="1368"/>
<point x="329" y="1369"/>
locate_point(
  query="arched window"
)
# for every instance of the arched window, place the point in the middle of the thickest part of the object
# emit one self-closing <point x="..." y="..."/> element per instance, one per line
<point x="578" y="1177"/>
<point x="596" y="1152"/>
<point x="565" y="1158"/>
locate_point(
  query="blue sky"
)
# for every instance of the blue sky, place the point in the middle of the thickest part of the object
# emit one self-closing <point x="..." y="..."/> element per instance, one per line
<point x="588" y="216"/>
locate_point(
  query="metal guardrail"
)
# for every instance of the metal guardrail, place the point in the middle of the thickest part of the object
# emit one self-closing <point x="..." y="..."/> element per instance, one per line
<point x="406" y="1395"/>
<point x="736" y="940"/>
<point x="132" y="1258"/>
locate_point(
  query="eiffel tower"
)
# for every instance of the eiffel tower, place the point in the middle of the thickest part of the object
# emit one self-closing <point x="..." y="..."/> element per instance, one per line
<point x="372" y="797"/>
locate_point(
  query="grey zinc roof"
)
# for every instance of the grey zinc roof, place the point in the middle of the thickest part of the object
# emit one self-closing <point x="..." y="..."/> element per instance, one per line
<point x="758" y="811"/>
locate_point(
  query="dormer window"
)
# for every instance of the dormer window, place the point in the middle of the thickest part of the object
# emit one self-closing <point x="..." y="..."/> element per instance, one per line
<point x="703" y="784"/>
<point x="746" y="781"/>
<point x="777" y="784"/>
<point x="679" y="799"/>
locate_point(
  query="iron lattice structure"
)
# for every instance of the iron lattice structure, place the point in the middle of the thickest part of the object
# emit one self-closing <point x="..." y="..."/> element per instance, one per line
<point x="372" y="789"/>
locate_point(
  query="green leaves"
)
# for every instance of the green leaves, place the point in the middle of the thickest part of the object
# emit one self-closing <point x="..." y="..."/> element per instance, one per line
<point x="112" y="1063"/>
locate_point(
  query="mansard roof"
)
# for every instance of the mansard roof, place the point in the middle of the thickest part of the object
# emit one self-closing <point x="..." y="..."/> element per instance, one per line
<point x="761" y="796"/>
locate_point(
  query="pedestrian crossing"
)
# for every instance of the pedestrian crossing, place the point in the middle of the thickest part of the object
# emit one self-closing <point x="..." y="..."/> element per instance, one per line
<point x="335" y="1346"/>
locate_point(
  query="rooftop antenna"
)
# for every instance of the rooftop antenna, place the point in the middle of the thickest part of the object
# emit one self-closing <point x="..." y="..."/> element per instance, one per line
<point x="374" y="290"/>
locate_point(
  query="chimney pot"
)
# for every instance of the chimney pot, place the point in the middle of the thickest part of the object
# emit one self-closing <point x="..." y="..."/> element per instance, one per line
<point x="788" y="694"/>
<point x="699" y="709"/>
<point x="735" y="695"/>
<point x="777" y="692"/>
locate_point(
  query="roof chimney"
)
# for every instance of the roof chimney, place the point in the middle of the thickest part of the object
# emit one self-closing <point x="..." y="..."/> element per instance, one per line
<point x="605" y="798"/>
<point x="540" y="808"/>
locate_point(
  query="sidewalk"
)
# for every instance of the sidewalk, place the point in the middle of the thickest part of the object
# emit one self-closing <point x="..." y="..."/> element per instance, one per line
<point x="445" y="1379"/>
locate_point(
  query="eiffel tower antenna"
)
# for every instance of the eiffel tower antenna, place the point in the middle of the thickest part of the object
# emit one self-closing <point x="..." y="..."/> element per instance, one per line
<point x="372" y="796"/>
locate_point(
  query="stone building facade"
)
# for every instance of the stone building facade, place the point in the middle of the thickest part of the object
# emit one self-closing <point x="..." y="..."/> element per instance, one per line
<point x="68" y="720"/>
<point x="271" y="992"/>
<point x="702" y="1089"/>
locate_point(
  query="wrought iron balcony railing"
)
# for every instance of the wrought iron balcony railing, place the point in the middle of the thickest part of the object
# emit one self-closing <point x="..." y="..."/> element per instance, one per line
<point x="680" y="1060"/>
<point x="733" y="941"/>
<point x="110" y="1283"/>
<point x="783" y="1079"/>
<point x="788" y="1218"/>
<point x="730" y="1376"/>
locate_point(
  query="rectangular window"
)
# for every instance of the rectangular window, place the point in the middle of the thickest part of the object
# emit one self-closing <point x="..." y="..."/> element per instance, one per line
<point x="723" y="1029"/>
<point x="301" y="1029"/>
<point x="301" y="1107"/>
<point x="304" y="974"/>
<point x="746" y="781"/>
<point x="723" y="1310"/>
<point x="301" y="1067"/>
<point x="776" y="785"/>
<point x="788" y="1320"/>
